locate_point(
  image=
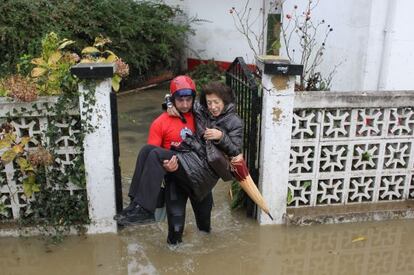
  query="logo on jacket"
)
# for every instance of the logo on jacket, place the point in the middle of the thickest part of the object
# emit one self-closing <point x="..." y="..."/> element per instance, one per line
<point x="184" y="132"/>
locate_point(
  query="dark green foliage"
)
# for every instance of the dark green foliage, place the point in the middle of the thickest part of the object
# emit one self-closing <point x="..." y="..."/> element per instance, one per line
<point x="239" y="196"/>
<point x="56" y="211"/>
<point x="207" y="72"/>
<point x="143" y="33"/>
<point x="273" y="34"/>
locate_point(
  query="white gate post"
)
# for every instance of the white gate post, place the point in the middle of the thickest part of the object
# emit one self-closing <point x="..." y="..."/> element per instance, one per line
<point x="278" y="82"/>
<point x="98" y="150"/>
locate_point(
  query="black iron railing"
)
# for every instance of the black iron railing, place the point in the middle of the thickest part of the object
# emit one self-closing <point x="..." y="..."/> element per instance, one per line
<point x="249" y="107"/>
<point x="115" y="147"/>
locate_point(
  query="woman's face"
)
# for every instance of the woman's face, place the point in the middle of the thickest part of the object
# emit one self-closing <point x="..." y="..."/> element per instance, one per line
<point x="215" y="104"/>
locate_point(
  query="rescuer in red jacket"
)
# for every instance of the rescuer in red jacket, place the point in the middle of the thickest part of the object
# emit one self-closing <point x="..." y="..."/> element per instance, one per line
<point x="168" y="132"/>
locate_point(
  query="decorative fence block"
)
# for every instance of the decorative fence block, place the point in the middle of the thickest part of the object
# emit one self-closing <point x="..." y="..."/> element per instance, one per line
<point x="32" y="119"/>
<point x="351" y="148"/>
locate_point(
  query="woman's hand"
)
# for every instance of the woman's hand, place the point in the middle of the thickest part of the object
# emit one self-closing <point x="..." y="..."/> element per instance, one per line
<point x="237" y="158"/>
<point x="172" y="111"/>
<point x="212" y="134"/>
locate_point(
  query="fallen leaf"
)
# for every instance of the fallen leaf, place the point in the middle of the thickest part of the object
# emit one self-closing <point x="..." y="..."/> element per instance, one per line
<point x="358" y="239"/>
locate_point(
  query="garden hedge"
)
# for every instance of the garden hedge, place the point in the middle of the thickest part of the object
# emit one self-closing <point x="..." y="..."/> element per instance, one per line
<point x="145" y="34"/>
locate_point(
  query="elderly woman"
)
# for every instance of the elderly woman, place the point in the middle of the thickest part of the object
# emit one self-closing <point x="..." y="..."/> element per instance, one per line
<point x="216" y="121"/>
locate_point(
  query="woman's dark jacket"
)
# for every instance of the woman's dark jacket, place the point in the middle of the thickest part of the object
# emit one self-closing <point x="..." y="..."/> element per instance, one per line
<point x="192" y="152"/>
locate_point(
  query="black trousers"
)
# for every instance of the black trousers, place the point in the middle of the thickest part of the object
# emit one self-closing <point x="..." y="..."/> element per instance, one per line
<point x="146" y="185"/>
<point x="176" y="199"/>
<point x="149" y="174"/>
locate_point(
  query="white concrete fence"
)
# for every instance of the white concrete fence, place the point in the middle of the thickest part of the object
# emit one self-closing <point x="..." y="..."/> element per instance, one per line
<point x="32" y="119"/>
<point x="332" y="148"/>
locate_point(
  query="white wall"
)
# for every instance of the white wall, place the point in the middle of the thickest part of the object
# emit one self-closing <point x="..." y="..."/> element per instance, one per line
<point x="370" y="58"/>
<point x="373" y="41"/>
<point x="218" y="38"/>
<point x="400" y="71"/>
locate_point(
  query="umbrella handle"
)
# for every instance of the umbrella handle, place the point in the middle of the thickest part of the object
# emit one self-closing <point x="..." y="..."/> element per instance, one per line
<point x="239" y="169"/>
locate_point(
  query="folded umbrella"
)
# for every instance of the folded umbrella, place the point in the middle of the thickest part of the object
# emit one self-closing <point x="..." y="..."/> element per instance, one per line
<point x="241" y="173"/>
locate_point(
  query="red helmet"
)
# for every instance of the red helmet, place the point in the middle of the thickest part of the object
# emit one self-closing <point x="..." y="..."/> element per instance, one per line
<point x="182" y="85"/>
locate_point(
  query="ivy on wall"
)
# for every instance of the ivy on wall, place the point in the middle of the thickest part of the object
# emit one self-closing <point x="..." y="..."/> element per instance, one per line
<point x="51" y="205"/>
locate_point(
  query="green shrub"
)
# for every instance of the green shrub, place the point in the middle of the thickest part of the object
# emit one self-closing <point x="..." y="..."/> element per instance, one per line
<point x="207" y="72"/>
<point x="238" y="195"/>
<point x="144" y="33"/>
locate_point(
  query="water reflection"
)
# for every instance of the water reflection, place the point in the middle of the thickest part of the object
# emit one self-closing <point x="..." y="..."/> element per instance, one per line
<point x="238" y="248"/>
<point x="387" y="249"/>
<point x="78" y="255"/>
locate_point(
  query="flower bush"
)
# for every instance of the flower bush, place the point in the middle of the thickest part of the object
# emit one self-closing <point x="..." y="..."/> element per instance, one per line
<point x="19" y="87"/>
<point x="49" y="73"/>
<point x="98" y="54"/>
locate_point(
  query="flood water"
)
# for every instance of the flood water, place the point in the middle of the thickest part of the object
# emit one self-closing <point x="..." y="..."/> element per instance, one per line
<point x="236" y="245"/>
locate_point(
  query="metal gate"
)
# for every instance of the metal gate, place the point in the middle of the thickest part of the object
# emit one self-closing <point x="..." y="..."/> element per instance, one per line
<point x="249" y="107"/>
<point x="115" y="147"/>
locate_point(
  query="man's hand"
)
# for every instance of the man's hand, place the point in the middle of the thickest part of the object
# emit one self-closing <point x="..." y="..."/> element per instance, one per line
<point x="171" y="165"/>
<point x="212" y="134"/>
<point x="172" y="111"/>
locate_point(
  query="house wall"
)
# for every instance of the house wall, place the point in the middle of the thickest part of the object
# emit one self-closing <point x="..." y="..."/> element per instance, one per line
<point x="372" y="40"/>
<point x="217" y="37"/>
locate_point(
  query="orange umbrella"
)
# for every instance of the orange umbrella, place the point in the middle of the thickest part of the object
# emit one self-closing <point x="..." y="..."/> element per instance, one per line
<point x="241" y="173"/>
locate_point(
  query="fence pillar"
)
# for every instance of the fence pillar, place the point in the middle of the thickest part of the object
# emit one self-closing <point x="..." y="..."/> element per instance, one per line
<point x="98" y="148"/>
<point x="278" y="82"/>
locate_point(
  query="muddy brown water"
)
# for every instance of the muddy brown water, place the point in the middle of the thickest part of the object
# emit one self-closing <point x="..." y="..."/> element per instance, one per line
<point x="236" y="245"/>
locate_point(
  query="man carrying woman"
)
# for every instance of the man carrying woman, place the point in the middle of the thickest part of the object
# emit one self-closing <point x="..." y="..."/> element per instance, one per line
<point x="185" y="164"/>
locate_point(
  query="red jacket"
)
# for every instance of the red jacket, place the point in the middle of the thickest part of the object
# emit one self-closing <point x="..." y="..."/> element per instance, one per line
<point x="166" y="131"/>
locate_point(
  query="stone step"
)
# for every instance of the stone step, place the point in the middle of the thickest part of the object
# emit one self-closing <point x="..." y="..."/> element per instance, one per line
<point x="350" y="213"/>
